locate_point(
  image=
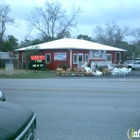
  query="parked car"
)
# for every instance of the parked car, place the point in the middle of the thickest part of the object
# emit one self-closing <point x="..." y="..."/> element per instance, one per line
<point x="134" y="65"/>
<point x="2" y="97"/>
<point x="16" y="122"/>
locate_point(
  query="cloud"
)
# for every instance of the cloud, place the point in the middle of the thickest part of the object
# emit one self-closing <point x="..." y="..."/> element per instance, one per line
<point x="95" y="12"/>
<point x="99" y="12"/>
<point x="20" y="9"/>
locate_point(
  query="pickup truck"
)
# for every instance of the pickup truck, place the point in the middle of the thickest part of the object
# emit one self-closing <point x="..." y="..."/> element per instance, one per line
<point x="16" y="122"/>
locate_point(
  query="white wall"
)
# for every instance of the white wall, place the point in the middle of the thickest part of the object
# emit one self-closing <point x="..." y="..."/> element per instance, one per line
<point x="4" y="55"/>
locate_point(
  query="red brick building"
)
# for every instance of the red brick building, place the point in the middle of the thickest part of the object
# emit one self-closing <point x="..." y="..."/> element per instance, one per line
<point x="73" y="52"/>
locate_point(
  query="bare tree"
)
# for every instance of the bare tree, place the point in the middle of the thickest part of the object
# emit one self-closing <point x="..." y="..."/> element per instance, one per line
<point x="111" y="35"/>
<point x="4" y="20"/>
<point x="52" y="21"/>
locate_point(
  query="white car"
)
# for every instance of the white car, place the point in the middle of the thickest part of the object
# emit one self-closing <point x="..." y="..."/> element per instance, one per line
<point x="134" y="65"/>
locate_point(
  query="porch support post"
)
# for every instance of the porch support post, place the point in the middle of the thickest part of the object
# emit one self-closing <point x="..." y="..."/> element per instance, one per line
<point x="70" y="58"/>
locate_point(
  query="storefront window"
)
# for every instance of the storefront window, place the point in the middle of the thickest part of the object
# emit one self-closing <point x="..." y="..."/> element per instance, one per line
<point x="118" y="56"/>
<point x="86" y="58"/>
<point x="74" y="58"/>
<point x="48" y="58"/>
<point x="109" y="57"/>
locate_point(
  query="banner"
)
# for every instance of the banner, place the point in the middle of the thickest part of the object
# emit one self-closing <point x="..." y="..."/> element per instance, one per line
<point x="60" y="56"/>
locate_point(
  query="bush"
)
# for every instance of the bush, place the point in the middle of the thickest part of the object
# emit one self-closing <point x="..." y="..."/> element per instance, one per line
<point x="64" y="66"/>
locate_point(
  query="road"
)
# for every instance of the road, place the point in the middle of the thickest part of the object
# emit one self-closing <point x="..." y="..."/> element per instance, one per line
<point x="79" y="108"/>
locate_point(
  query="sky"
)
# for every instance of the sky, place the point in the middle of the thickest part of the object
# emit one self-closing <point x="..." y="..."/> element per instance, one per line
<point x="126" y="13"/>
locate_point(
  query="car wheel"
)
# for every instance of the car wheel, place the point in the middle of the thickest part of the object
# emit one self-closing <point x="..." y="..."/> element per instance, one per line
<point x="129" y="67"/>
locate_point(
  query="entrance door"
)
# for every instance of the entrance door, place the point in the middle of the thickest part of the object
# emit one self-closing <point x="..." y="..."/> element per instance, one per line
<point x="80" y="60"/>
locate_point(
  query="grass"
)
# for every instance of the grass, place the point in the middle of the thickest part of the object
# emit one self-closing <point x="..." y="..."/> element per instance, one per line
<point x="29" y="74"/>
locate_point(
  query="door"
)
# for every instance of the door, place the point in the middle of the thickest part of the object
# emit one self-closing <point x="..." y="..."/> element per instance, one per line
<point x="80" y="60"/>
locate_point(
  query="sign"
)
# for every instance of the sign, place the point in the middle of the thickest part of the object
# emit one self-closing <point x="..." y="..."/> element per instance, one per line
<point x="131" y="133"/>
<point x="11" y="53"/>
<point x="37" y="57"/>
<point x="97" y="54"/>
<point x="60" y="56"/>
<point x="104" y="55"/>
<point x="90" y="54"/>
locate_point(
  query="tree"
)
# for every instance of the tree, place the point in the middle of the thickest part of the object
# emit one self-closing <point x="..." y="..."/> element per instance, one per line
<point x="52" y="21"/>
<point x="36" y="41"/>
<point x="65" y="34"/>
<point x="30" y="51"/>
<point x="136" y="34"/>
<point x="25" y="43"/>
<point x="4" y="20"/>
<point x="130" y="49"/>
<point x="10" y="44"/>
<point x="84" y="37"/>
<point x="111" y="35"/>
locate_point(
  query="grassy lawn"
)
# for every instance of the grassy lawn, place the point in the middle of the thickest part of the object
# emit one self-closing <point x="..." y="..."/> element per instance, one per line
<point x="29" y="74"/>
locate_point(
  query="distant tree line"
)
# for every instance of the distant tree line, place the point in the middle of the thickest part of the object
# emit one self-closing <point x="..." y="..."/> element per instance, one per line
<point x="52" y="22"/>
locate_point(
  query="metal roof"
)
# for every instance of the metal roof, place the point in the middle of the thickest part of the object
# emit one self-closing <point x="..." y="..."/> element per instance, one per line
<point x="70" y="43"/>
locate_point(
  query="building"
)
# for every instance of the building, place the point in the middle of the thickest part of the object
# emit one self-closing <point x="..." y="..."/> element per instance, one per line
<point x="73" y="52"/>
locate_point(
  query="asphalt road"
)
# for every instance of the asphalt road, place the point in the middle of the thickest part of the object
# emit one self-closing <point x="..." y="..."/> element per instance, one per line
<point x="79" y="108"/>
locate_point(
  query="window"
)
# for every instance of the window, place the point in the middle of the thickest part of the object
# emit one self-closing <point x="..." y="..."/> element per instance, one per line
<point x="74" y="58"/>
<point x="108" y="57"/>
<point x="23" y="57"/>
<point x="48" y="58"/>
<point x="118" y="56"/>
<point x="86" y="58"/>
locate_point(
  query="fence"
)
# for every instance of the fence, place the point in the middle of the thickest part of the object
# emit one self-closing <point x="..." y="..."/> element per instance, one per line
<point x="4" y="61"/>
<point x="5" y="57"/>
<point x="101" y="63"/>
